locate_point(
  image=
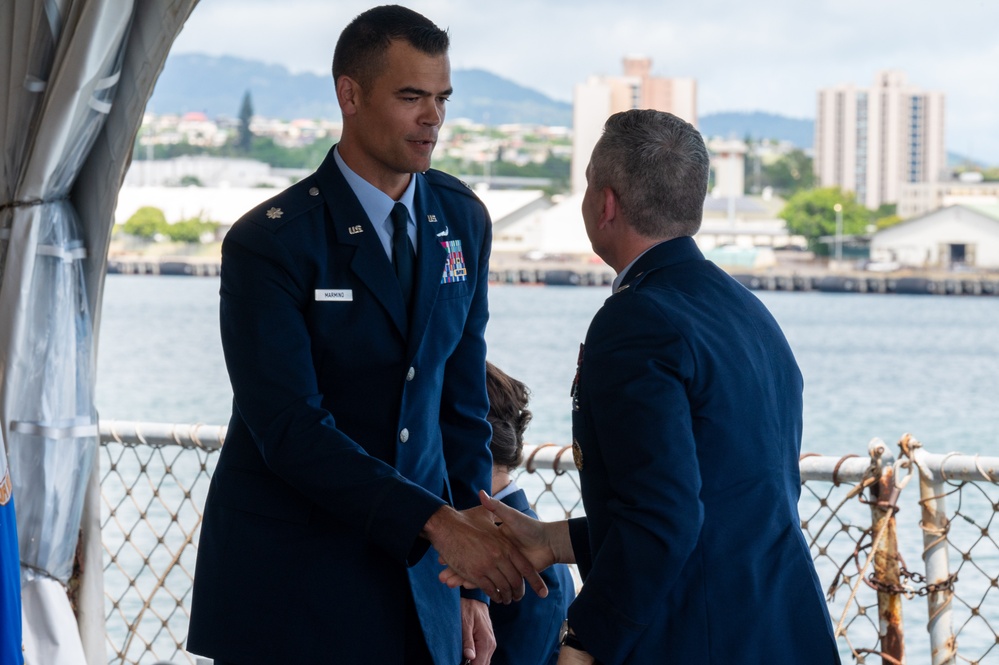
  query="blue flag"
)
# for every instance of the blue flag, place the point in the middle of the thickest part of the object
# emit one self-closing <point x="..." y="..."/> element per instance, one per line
<point x="10" y="574"/>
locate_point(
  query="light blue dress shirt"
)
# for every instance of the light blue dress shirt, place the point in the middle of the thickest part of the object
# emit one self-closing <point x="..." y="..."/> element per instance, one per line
<point x="378" y="205"/>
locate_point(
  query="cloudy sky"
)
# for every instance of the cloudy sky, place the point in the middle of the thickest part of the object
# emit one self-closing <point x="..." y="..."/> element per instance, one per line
<point x="767" y="55"/>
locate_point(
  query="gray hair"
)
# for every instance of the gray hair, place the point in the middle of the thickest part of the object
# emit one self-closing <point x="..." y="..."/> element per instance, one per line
<point x="658" y="166"/>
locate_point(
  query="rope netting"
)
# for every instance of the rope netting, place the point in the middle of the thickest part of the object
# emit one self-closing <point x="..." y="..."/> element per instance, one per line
<point x="866" y="545"/>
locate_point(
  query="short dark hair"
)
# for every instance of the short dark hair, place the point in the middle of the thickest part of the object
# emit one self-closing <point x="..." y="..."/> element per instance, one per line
<point x="658" y="166"/>
<point x="360" y="50"/>
<point x="509" y="416"/>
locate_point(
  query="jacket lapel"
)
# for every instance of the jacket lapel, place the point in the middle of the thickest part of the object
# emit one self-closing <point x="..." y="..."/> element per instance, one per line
<point x="430" y="258"/>
<point x="353" y="228"/>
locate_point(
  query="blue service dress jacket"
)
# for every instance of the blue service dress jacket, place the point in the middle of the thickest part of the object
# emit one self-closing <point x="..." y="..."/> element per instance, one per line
<point x="351" y="425"/>
<point x="527" y="631"/>
<point x="687" y="415"/>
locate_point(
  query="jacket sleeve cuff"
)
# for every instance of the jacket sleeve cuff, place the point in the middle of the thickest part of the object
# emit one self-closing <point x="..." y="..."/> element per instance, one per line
<point x="579" y="536"/>
<point x="397" y="518"/>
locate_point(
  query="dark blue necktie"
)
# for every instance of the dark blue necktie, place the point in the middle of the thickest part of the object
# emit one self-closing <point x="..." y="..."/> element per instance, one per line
<point x="403" y="256"/>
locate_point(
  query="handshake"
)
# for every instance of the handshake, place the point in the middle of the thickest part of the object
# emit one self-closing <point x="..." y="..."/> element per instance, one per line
<point x="496" y="548"/>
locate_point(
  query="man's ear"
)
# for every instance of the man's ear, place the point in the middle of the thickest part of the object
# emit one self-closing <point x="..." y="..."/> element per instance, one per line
<point x="611" y="208"/>
<point x="348" y="93"/>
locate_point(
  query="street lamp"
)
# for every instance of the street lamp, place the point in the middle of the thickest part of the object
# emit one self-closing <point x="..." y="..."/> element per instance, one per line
<point x="839" y="232"/>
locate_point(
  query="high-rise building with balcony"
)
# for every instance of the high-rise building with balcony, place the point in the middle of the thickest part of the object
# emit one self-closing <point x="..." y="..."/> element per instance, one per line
<point x="870" y="141"/>
<point x="601" y="96"/>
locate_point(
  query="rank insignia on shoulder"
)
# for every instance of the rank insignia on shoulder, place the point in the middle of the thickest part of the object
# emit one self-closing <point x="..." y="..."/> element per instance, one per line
<point x="577" y="455"/>
<point x="354" y="230"/>
<point x="275" y="213"/>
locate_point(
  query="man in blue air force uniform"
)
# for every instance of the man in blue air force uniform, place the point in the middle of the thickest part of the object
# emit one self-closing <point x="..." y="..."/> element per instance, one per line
<point x="356" y="354"/>
<point x="686" y="431"/>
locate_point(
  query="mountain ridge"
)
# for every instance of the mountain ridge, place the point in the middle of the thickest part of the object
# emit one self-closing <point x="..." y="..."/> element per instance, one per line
<point x="215" y="85"/>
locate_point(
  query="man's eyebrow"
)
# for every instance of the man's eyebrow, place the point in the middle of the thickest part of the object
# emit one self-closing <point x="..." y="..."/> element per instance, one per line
<point x="420" y="92"/>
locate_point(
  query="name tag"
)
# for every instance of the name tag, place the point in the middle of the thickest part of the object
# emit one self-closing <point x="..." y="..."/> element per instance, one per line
<point x="339" y="295"/>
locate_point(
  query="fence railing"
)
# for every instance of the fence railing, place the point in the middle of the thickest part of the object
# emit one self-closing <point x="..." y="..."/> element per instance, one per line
<point x="885" y="549"/>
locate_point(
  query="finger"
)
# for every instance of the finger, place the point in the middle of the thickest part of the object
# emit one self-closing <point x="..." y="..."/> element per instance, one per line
<point x="529" y="574"/>
<point x="467" y="640"/>
<point x="508" y="579"/>
<point x="452" y="579"/>
<point x="492" y="590"/>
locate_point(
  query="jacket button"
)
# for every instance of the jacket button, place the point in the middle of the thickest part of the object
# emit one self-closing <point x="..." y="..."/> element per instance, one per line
<point x="411" y="374"/>
<point x="404" y="435"/>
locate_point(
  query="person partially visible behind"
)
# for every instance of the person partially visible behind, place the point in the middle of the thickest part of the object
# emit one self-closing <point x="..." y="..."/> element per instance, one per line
<point x="527" y="632"/>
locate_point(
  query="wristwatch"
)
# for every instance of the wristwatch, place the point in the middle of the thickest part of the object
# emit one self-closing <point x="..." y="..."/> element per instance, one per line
<point x="567" y="638"/>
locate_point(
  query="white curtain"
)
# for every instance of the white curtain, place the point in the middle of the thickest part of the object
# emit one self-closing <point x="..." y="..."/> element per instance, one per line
<point x="65" y="147"/>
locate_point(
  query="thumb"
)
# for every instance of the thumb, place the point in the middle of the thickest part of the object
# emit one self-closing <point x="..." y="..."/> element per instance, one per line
<point x="497" y="508"/>
<point x="487" y="501"/>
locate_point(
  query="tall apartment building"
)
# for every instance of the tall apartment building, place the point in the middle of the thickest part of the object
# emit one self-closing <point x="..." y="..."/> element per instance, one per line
<point x="602" y="96"/>
<point x="872" y="140"/>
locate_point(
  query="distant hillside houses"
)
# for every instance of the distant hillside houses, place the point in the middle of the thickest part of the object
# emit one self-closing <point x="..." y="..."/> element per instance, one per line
<point x="460" y="139"/>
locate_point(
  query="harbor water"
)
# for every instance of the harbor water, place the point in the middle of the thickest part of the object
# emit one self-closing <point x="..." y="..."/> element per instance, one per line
<point x="873" y="365"/>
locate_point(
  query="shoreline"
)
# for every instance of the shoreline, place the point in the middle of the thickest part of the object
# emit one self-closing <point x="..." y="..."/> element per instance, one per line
<point x="512" y="269"/>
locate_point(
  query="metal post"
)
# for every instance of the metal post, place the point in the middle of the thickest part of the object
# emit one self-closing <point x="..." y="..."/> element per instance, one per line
<point x="934" y="522"/>
<point x="884" y="495"/>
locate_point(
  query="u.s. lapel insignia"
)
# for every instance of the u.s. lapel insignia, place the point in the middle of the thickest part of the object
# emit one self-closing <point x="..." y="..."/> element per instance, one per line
<point x="432" y="219"/>
<point x="354" y="230"/>
<point x="275" y="213"/>
<point x="577" y="455"/>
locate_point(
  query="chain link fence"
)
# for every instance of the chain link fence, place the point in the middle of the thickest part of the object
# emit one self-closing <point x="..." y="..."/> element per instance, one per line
<point x="911" y="573"/>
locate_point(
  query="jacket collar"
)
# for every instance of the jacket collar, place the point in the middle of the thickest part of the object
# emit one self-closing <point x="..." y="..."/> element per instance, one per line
<point x="666" y="253"/>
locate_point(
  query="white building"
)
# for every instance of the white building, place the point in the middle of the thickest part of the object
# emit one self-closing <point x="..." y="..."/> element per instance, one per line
<point x="728" y="161"/>
<point x="952" y="237"/>
<point x="870" y="141"/>
<point x="210" y="172"/>
<point x="921" y="197"/>
<point x="602" y="96"/>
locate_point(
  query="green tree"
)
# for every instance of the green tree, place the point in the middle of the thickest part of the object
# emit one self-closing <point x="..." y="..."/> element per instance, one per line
<point x="190" y="230"/>
<point x="886" y="215"/>
<point x="886" y="221"/>
<point x="147" y="222"/>
<point x="244" y="142"/>
<point x="812" y="214"/>
<point x="791" y="173"/>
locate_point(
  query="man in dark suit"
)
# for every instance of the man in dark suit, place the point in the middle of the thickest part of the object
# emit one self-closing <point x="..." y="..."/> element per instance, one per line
<point x="686" y="432"/>
<point x="353" y="308"/>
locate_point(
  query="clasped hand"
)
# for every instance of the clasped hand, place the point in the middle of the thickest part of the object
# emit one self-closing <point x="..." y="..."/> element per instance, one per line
<point x="517" y="546"/>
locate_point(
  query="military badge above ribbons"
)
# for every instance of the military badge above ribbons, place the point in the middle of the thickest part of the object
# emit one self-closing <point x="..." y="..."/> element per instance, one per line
<point x="454" y="267"/>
